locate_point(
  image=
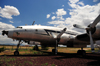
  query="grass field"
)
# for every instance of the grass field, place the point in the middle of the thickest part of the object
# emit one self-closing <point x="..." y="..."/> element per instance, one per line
<point x="9" y="50"/>
<point x="29" y="57"/>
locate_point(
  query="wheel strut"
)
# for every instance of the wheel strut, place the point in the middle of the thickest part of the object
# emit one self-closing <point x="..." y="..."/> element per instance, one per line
<point x="17" y="52"/>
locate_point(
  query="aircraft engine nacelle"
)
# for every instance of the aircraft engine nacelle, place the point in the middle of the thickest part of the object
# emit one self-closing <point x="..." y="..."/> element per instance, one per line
<point x="92" y="30"/>
<point x="76" y="44"/>
<point x="95" y="32"/>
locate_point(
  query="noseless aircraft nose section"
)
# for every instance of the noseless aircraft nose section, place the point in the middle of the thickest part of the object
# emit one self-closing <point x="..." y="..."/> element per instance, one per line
<point x="9" y="33"/>
<point x="4" y="32"/>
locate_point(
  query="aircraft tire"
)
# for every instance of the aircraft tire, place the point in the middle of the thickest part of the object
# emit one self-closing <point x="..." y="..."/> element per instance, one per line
<point x="81" y="52"/>
<point x="54" y="50"/>
<point x="16" y="53"/>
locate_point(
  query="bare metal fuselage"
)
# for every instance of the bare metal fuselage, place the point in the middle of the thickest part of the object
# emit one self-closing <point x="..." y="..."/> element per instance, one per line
<point x="46" y="35"/>
<point x="43" y="35"/>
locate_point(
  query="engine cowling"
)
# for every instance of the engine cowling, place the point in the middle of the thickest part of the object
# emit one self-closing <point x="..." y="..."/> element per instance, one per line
<point x="92" y="30"/>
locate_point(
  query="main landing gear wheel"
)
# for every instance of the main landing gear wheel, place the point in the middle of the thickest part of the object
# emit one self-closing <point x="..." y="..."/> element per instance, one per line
<point x="36" y="48"/>
<point x="16" y="53"/>
<point x="54" y="51"/>
<point x="81" y="52"/>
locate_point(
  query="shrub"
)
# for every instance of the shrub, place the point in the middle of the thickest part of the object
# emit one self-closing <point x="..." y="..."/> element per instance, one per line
<point x="1" y="49"/>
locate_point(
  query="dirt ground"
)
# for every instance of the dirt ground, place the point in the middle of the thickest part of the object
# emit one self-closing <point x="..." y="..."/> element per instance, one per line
<point x="46" y="58"/>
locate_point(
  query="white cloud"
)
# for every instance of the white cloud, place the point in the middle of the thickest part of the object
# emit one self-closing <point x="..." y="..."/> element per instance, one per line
<point x="79" y="14"/>
<point x="5" y="26"/>
<point x="11" y="21"/>
<point x="81" y="3"/>
<point x="5" y="39"/>
<point x="82" y="15"/>
<point x="73" y="1"/>
<point x="62" y="5"/>
<point x="48" y="15"/>
<point x="53" y="17"/>
<point x="61" y="12"/>
<point x="60" y="18"/>
<point x="95" y="0"/>
<point x="37" y="25"/>
<point x="56" y="22"/>
<point x="8" y="11"/>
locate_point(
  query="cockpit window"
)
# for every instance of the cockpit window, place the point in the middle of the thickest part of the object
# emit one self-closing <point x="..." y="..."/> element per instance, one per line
<point x="19" y="27"/>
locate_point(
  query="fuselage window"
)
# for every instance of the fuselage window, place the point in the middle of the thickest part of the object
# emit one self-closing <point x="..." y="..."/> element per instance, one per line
<point x="36" y="30"/>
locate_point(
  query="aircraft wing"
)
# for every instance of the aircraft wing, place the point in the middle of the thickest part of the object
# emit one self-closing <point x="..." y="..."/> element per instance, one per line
<point x="55" y="33"/>
<point x="83" y="37"/>
<point x="71" y="33"/>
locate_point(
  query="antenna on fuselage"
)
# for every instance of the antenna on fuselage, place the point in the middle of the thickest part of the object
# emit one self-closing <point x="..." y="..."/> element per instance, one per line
<point x="33" y="22"/>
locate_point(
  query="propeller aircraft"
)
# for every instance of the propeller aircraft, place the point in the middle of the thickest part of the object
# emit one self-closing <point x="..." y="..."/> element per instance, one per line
<point x="52" y="36"/>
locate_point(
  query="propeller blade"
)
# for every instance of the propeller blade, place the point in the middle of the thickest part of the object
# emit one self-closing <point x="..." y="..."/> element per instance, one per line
<point x="63" y="31"/>
<point x="58" y="36"/>
<point x="91" y="42"/>
<point x="79" y="26"/>
<point x="95" y="21"/>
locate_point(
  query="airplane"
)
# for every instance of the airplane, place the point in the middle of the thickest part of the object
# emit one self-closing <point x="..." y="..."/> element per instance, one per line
<point x="53" y="36"/>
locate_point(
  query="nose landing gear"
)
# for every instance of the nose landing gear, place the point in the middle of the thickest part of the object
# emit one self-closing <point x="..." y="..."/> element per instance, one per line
<point x="17" y="52"/>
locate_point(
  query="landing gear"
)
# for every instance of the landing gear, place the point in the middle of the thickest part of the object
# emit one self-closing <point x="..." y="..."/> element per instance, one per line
<point x="81" y="52"/>
<point x="17" y="52"/>
<point x="36" y="48"/>
<point x="55" y="50"/>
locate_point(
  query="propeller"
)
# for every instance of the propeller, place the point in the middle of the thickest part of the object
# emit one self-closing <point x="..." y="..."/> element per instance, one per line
<point x="57" y="38"/>
<point x="95" y="21"/>
<point x="59" y="35"/>
<point x="91" y="42"/>
<point x="90" y="29"/>
<point x="63" y="31"/>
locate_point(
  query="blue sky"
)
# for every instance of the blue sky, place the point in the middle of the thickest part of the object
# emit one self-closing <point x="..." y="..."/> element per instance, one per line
<point x="32" y="10"/>
<point x="37" y="10"/>
<point x="59" y="13"/>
